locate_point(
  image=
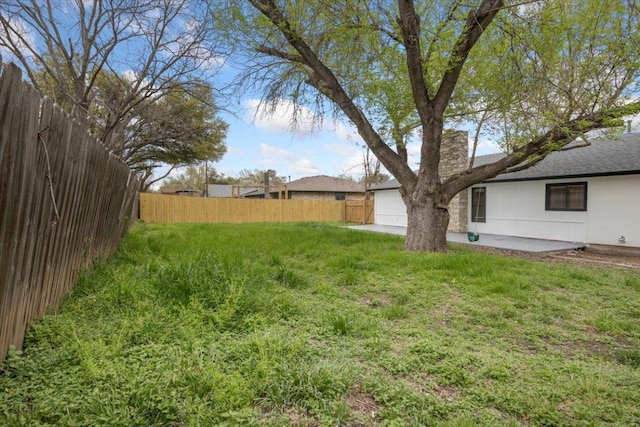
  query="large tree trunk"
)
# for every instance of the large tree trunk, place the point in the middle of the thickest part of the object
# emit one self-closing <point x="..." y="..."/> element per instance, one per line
<point x="428" y="219"/>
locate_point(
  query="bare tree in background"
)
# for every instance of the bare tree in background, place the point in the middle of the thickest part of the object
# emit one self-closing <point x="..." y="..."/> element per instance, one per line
<point x="372" y="170"/>
<point x="71" y="50"/>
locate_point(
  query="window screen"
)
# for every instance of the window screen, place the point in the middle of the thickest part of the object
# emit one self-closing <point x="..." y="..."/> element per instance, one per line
<point x="566" y="197"/>
<point x="479" y="204"/>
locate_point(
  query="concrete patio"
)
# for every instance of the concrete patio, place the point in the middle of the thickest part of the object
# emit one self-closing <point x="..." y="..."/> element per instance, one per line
<point x="488" y="240"/>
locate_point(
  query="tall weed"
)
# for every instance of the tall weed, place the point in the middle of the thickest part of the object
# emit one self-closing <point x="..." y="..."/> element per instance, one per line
<point x="312" y="324"/>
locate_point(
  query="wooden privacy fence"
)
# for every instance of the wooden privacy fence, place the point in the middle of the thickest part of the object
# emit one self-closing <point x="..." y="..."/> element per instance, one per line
<point x="359" y="211"/>
<point x="176" y="209"/>
<point x="64" y="201"/>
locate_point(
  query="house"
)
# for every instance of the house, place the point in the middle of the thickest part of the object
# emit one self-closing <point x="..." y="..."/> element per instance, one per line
<point x="589" y="195"/>
<point x="321" y="187"/>
<point x="183" y="192"/>
<point x="225" y="190"/>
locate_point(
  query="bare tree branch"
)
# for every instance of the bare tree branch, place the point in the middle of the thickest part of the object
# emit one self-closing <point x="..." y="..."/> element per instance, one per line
<point x="324" y="80"/>
<point x="144" y="48"/>
<point x="477" y="21"/>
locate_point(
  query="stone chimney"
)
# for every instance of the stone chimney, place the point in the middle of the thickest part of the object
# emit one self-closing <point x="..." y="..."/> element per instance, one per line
<point x="454" y="158"/>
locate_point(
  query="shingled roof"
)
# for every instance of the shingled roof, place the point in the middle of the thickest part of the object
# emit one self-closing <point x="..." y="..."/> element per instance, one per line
<point x="616" y="156"/>
<point x="324" y="183"/>
<point x="604" y="157"/>
<point x="224" y="190"/>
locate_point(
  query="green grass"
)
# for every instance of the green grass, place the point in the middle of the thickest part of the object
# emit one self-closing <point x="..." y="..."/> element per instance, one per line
<point x="314" y="324"/>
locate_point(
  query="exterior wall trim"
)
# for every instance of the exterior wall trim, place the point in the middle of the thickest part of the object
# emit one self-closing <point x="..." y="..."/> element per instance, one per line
<point x="543" y="178"/>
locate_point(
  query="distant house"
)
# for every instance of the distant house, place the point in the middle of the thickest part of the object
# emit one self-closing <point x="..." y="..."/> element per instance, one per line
<point x="319" y="187"/>
<point x="183" y="192"/>
<point x="589" y="195"/>
<point x="224" y="190"/>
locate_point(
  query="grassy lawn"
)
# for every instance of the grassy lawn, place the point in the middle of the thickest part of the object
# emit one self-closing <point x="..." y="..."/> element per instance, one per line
<point x="312" y="324"/>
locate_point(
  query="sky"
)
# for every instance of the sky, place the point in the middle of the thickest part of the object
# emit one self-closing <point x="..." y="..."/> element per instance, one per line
<point x="257" y="141"/>
<point x="312" y="147"/>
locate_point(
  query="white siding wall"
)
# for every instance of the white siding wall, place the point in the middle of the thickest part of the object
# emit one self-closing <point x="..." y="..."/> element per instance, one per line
<point x="517" y="209"/>
<point x="389" y="208"/>
<point x="614" y="210"/>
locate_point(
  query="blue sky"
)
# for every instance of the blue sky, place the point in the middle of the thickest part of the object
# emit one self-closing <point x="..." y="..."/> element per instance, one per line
<point x="258" y="141"/>
<point x="254" y="141"/>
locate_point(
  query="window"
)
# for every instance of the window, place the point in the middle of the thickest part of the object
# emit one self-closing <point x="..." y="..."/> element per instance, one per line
<point x="341" y="196"/>
<point x="566" y="197"/>
<point x="479" y="204"/>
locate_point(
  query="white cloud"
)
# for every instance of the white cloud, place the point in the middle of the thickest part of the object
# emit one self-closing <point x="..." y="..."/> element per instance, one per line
<point x="235" y="150"/>
<point x="341" y="148"/>
<point x="413" y="154"/>
<point x="349" y="158"/>
<point x="271" y="151"/>
<point x="264" y="162"/>
<point x="146" y="21"/>
<point x="304" y="166"/>
<point x="212" y="62"/>
<point x="21" y="35"/>
<point x="283" y="160"/>
<point x="286" y="116"/>
<point x="130" y="76"/>
<point x="353" y="165"/>
<point x="224" y="170"/>
<point x="346" y="132"/>
<point x="289" y="117"/>
<point x="205" y="55"/>
<point x="308" y="152"/>
<point x="485" y="146"/>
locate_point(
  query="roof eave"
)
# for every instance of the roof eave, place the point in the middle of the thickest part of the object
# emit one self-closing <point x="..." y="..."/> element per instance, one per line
<point x="566" y="176"/>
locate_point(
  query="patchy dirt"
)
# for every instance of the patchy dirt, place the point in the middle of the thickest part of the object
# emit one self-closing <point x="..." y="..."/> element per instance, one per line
<point x="449" y="393"/>
<point x="442" y="314"/>
<point x="424" y="383"/>
<point x="595" y="259"/>
<point x="378" y="301"/>
<point x="565" y="407"/>
<point x="364" y="406"/>
<point x="580" y="258"/>
<point x="299" y="418"/>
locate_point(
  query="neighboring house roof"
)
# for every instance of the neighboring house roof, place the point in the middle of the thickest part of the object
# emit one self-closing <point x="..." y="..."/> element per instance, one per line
<point x="224" y="190"/>
<point x="182" y="191"/>
<point x="323" y="183"/>
<point x="619" y="155"/>
<point x="387" y="185"/>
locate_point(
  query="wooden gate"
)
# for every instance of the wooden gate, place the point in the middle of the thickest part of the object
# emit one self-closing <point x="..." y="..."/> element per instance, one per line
<point x="359" y="211"/>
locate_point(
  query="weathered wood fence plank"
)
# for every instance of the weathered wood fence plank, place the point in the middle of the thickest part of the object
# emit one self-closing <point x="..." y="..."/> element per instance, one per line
<point x="64" y="201"/>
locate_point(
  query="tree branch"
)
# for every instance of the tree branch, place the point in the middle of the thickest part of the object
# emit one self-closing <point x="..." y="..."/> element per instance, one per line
<point x="476" y="138"/>
<point x="323" y="79"/>
<point x="409" y="22"/>
<point x="280" y="54"/>
<point x="537" y="150"/>
<point x="477" y="21"/>
<point x="441" y="26"/>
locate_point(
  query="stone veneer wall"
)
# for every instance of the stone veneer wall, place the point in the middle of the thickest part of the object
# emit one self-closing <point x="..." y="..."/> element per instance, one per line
<point x="454" y="157"/>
